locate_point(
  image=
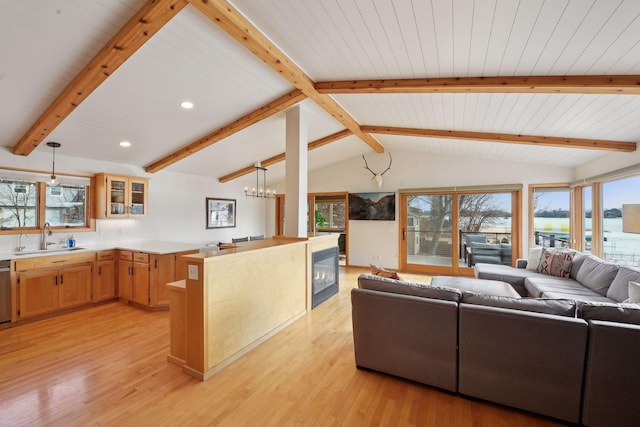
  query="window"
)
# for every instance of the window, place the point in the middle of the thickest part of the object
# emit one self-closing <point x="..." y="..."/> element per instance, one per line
<point x="551" y="216"/>
<point x="28" y="201"/>
<point x="618" y="246"/>
<point x="330" y="213"/>
<point x="18" y="203"/>
<point x="65" y="205"/>
<point x="485" y="218"/>
<point x="587" y="220"/>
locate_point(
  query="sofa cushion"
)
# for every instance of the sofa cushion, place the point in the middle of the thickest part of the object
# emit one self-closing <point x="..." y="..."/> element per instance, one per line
<point x="578" y="259"/>
<point x="485" y="249"/>
<point x="475" y="238"/>
<point x="504" y="273"/>
<point x="597" y="274"/>
<point x="556" y="262"/>
<point x="610" y="312"/>
<point x="478" y="286"/>
<point x="558" y="307"/>
<point x="584" y="297"/>
<point x="537" y="285"/>
<point x="383" y="284"/>
<point x="619" y="289"/>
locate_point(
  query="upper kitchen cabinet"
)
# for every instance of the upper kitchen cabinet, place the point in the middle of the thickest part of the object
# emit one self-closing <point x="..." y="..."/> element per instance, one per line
<point x="120" y="196"/>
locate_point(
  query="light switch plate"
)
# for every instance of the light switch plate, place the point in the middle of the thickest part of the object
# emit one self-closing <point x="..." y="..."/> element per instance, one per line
<point x="193" y="272"/>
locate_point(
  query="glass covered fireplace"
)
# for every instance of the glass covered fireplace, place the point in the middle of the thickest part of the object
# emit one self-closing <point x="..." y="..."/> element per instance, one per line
<point x="324" y="274"/>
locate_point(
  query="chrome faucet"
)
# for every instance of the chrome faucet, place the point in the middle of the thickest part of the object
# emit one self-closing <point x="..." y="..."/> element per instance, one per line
<point x="46" y="228"/>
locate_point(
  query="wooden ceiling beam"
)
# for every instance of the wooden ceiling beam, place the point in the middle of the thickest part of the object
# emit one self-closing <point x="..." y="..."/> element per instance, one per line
<point x="282" y="156"/>
<point x="617" y="85"/>
<point x="253" y="117"/>
<point x="547" y="141"/>
<point x="238" y="27"/>
<point x="146" y="22"/>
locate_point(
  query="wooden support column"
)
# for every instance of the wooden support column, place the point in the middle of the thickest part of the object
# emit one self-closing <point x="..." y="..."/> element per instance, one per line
<point x="295" y="224"/>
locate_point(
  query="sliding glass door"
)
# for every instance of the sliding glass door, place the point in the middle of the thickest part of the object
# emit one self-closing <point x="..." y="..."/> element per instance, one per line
<point x="441" y="229"/>
<point x="428" y="232"/>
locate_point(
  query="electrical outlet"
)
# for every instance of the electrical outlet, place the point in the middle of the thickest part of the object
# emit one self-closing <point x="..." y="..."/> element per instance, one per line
<point x="193" y="272"/>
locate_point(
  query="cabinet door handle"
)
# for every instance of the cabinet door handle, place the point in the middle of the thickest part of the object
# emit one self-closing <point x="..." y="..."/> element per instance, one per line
<point x="62" y="279"/>
<point x="56" y="281"/>
<point x="99" y="271"/>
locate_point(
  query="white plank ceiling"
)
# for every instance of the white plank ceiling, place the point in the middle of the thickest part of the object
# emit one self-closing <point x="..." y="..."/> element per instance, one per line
<point x="44" y="44"/>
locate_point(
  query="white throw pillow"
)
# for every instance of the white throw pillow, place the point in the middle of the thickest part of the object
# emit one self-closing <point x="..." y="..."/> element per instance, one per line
<point x="534" y="258"/>
<point x="634" y="292"/>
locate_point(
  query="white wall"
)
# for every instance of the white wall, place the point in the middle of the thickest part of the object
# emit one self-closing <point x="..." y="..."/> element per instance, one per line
<point x="376" y="242"/>
<point x="179" y="199"/>
<point x="606" y="164"/>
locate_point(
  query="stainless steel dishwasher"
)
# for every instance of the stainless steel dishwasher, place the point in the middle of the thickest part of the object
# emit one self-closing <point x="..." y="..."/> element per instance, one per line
<point x="5" y="291"/>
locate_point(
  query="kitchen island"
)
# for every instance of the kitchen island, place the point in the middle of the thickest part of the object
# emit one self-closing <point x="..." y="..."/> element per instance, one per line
<point x="231" y="300"/>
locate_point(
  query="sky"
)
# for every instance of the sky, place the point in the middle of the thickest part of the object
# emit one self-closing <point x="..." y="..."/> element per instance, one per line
<point x="614" y="195"/>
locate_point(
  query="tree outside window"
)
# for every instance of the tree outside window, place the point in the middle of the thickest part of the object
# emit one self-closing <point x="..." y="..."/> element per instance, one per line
<point x="18" y="203"/>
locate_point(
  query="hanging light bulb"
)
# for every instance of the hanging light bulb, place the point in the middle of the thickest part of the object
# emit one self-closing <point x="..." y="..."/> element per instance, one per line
<point x="54" y="179"/>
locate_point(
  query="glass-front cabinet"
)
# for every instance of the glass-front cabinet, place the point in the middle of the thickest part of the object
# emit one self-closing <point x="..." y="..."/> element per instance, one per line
<point x="121" y="196"/>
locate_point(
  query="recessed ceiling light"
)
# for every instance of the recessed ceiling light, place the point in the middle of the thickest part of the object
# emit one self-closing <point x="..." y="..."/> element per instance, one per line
<point x="187" y="105"/>
<point x="125" y="144"/>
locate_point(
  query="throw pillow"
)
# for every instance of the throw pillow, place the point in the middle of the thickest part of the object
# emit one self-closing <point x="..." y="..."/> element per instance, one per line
<point x="383" y="272"/>
<point x="555" y="262"/>
<point x="534" y="258"/>
<point x="634" y="292"/>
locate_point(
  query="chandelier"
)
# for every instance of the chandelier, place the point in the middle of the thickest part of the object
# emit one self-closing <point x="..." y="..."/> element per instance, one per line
<point x="260" y="191"/>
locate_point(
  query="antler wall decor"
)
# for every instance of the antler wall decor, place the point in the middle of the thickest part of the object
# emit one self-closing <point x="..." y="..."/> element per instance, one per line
<point x="377" y="176"/>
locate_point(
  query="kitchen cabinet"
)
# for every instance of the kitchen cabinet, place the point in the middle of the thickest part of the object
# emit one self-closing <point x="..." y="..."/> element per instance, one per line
<point x="104" y="276"/>
<point x="119" y="196"/>
<point x="133" y="277"/>
<point x="163" y="271"/>
<point x="49" y="289"/>
<point x="142" y="277"/>
<point x="39" y="293"/>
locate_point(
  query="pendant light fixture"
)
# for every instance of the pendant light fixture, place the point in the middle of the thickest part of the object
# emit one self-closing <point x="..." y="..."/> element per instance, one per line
<point x="258" y="191"/>
<point x="53" y="145"/>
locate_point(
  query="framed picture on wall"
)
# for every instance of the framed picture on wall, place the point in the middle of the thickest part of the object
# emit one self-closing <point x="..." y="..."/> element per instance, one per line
<point x="372" y="206"/>
<point x="221" y="213"/>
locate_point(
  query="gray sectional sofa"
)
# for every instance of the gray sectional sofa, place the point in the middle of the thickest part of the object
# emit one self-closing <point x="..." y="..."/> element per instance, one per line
<point x="588" y="278"/>
<point x="576" y="361"/>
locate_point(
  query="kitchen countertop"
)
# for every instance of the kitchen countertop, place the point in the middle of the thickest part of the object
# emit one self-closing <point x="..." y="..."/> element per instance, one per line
<point x="156" y="247"/>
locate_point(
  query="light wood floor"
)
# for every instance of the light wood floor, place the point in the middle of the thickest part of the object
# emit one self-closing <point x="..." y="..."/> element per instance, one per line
<point x="107" y="366"/>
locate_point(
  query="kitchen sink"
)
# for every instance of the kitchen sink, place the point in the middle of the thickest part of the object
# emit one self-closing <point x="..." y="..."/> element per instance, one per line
<point x="48" y="251"/>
